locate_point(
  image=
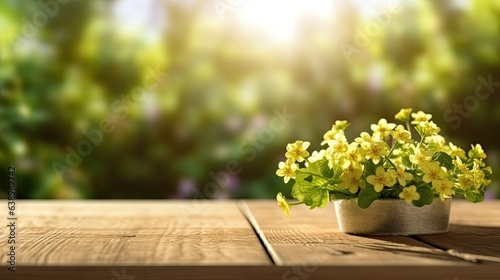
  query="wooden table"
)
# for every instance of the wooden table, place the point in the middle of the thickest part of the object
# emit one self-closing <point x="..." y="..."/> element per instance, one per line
<point x="251" y="239"/>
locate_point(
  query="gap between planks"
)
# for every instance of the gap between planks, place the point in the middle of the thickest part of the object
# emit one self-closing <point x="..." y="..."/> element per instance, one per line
<point x="247" y="213"/>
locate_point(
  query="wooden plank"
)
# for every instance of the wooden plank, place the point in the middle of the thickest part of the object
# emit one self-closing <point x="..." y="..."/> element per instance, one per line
<point x="313" y="237"/>
<point x="249" y="272"/>
<point x="131" y="240"/>
<point x="474" y="233"/>
<point x="117" y="233"/>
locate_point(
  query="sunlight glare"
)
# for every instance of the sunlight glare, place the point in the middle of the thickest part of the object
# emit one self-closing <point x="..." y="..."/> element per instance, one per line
<point x="139" y="17"/>
<point x="279" y="19"/>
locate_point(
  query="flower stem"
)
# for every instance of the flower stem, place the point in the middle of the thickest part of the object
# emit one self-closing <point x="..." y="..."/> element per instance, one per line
<point x="297" y="203"/>
<point x="345" y="192"/>
<point x="408" y="127"/>
<point x="422" y="139"/>
<point x="392" y="163"/>
<point x="392" y="149"/>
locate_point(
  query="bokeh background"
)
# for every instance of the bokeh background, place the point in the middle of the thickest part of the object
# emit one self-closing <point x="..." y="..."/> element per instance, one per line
<point x="183" y="99"/>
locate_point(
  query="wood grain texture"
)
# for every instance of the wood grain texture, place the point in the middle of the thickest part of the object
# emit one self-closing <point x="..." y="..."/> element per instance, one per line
<point x="474" y="232"/>
<point x="250" y="273"/>
<point x="313" y="237"/>
<point x="98" y="233"/>
<point x="214" y="240"/>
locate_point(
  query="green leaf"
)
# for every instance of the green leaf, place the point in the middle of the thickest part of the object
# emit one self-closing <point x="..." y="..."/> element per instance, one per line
<point x="337" y="172"/>
<point x="433" y="147"/>
<point x="314" y="183"/>
<point x="443" y="159"/>
<point x="370" y="168"/>
<point x="426" y="196"/>
<point x="406" y="161"/>
<point x="321" y="168"/>
<point x="309" y="179"/>
<point x="367" y="196"/>
<point x="487" y="173"/>
<point x="302" y="174"/>
<point x="474" y="196"/>
<point x="388" y="192"/>
<point x="311" y="194"/>
<point x="459" y="191"/>
<point x="470" y="153"/>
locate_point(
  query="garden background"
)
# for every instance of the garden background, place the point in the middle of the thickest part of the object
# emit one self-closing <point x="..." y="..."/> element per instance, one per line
<point x="183" y="99"/>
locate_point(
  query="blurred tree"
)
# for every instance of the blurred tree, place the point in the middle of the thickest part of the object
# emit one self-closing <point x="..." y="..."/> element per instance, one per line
<point x="159" y="99"/>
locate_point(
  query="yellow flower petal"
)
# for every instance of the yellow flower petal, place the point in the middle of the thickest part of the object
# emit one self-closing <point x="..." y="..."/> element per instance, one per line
<point x="283" y="204"/>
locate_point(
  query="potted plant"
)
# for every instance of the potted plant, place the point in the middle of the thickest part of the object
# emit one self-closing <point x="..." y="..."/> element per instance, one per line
<point x="389" y="182"/>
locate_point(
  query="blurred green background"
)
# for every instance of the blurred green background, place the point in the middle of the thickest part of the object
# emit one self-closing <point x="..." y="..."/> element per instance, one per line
<point x="182" y="99"/>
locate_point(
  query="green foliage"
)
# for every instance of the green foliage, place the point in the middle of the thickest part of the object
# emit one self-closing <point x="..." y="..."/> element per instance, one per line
<point x="312" y="195"/>
<point x="443" y="159"/>
<point x="370" y="168"/>
<point x="426" y="196"/>
<point x="219" y="89"/>
<point x="321" y="170"/>
<point x="314" y="183"/>
<point x="474" y="196"/>
<point x="367" y="196"/>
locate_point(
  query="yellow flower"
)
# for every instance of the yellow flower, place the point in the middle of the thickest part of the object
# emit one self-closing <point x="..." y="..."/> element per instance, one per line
<point x="315" y="156"/>
<point x="420" y="156"/>
<point x="438" y="140"/>
<point x="420" y="117"/>
<point x="351" y="180"/>
<point x="338" y="146"/>
<point x="403" y="115"/>
<point x="409" y="194"/>
<point x="461" y="166"/>
<point x="488" y="170"/>
<point x="382" y="129"/>
<point x="478" y="175"/>
<point x="283" y="204"/>
<point x="376" y="150"/>
<point x="428" y="128"/>
<point x="364" y="139"/>
<point x="433" y="173"/>
<point x="401" y="135"/>
<point x="381" y="179"/>
<point x="479" y="161"/>
<point x="330" y="134"/>
<point x="444" y="188"/>
<point x="455" y="151"/>
<point x="341" y="125"/>
<point x="353" y="156"/>
<point x="477" y="152"/>
<point x="402" y="176"/>
<point x="287" y="170"/>
<point x="297" y="151"/>
<point x="465" y="181"/>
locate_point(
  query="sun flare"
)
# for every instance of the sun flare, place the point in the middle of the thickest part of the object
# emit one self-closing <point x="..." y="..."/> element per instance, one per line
<point x="279" y="20"/>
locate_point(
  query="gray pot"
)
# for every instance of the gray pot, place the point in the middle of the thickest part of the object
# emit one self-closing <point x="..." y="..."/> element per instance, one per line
<point x="392" y="217"/>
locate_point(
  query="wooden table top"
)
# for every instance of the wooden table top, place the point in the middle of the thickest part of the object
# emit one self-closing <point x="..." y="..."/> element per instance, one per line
<point x="250" y="239"/>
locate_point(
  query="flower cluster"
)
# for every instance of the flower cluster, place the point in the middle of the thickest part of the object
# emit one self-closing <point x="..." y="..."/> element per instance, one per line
<point x="388" y="163"/>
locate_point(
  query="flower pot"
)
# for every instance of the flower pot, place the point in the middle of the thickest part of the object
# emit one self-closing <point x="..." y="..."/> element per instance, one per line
<point x="393" y="217"/>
